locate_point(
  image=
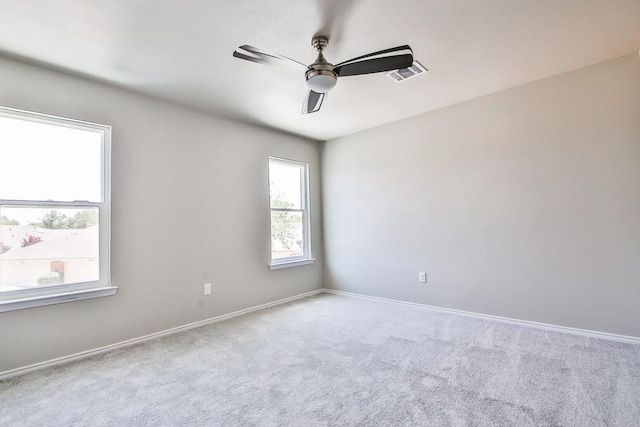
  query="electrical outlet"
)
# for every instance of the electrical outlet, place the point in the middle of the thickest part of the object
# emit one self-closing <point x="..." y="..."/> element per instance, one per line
<point x="422" y="277"/>
<point x="207" y="288"/>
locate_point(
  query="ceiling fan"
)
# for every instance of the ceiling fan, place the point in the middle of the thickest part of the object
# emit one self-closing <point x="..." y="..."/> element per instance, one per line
<point x="322" y="76"/>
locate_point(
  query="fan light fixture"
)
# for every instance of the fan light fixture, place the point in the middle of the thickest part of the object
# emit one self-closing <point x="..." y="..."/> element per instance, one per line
<point x="321" y="81"/>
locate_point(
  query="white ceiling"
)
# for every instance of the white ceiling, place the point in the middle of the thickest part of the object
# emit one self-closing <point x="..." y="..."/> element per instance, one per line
<point x="182" y="50"/>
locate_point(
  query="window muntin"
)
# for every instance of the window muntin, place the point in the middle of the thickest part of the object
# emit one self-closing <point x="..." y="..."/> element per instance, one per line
<point x="54" y="205"/>
<point x="289" y="206"/>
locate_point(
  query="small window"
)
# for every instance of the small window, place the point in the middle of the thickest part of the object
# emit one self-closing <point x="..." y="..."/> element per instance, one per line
<point x="54" y="210"/>
<point x="289" y="206"/>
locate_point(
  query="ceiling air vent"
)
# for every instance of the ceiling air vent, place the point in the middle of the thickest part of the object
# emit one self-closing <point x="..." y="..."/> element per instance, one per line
<point x="406" y="73"/>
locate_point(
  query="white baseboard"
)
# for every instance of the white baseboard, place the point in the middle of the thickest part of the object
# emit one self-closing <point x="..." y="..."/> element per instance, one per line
<point x="546" y="326"/>
<point x="89" y="353"/>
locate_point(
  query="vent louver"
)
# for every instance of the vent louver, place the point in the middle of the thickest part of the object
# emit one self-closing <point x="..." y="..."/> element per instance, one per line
<point x="406" y="73"/>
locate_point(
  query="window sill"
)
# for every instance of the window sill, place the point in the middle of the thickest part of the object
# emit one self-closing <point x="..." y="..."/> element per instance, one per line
<point x="19" y="304"/>
<point x="287" y="264"/>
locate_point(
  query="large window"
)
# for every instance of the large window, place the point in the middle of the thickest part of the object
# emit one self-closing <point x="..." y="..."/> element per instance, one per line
<point x="289" y="205"/>
<point x="54" y="210"/>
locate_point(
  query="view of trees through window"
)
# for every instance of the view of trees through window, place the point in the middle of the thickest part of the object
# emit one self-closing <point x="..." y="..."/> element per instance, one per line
<point x="286" y="229"/>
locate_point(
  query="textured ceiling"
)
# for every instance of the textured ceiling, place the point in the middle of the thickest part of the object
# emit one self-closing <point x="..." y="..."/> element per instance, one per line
<point x="182" y="50"/>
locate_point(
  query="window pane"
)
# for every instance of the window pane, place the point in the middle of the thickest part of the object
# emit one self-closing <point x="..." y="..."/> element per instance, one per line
<point x="48" y="162"/>
<point x="286" y="235"/>
<point x="42" y="246"/>
<point x="284" y="183"/>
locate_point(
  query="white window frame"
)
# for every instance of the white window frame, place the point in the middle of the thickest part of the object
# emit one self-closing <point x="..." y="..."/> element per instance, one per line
<point x="306" y="257"/>
<point x="27" y="298"/>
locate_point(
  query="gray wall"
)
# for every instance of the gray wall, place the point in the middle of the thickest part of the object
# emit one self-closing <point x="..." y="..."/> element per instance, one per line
<point x="523" y="203"/>
<point x="189" y="206"/>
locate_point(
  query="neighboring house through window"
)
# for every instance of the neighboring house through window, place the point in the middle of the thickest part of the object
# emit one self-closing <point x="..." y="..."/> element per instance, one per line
<point x="289" y="206"/>
<point x="54" y="209"/>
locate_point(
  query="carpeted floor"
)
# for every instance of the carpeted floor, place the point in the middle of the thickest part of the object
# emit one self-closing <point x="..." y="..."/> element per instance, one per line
<point x="334" y="360"/>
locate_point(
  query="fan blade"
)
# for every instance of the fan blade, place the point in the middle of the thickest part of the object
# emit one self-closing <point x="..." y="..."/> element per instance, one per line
<point x="376" y="62"/>
<point x="312" y="102"/>
<point x="253" y="54"/>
